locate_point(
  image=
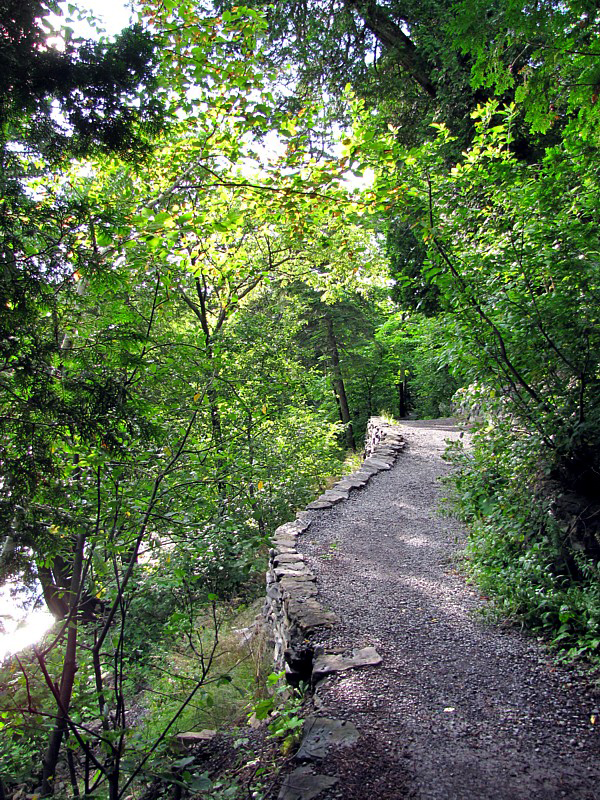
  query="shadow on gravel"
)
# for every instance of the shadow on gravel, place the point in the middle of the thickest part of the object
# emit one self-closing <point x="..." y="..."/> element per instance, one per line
<point x="459" y="709"/>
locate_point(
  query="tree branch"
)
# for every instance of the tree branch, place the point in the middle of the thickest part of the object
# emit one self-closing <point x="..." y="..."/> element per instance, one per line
<point x="392" y="37"/>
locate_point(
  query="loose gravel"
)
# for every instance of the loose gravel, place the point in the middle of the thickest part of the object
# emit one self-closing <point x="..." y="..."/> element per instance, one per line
<point x="460" y="709"/>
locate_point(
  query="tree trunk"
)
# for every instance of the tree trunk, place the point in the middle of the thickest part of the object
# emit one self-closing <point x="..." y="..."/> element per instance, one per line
<point x="402" y="387"/>
<point x="201" y="311"/>
<point x="254" y="502"/>
<point x="53" y="594"/>
<point x="67" y="680"/>
<point x="393" y="38"/>
<point x="338" y="381"/>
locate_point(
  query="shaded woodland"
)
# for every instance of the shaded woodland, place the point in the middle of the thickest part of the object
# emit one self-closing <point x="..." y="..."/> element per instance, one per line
<point x="228" y="237"/>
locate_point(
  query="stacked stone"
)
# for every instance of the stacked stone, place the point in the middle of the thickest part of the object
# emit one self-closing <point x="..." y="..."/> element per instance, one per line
<point x="292" y="609"/>
<point x="382" y="436"/>
<point x="383" y="443"/>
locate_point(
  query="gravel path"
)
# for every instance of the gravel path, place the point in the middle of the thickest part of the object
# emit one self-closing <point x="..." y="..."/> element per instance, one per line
<point x="459" y="709"/>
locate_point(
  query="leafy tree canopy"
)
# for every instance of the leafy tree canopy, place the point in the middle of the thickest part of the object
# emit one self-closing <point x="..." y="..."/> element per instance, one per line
<point x="77" y="98"/>
<point x="193" y="323"/>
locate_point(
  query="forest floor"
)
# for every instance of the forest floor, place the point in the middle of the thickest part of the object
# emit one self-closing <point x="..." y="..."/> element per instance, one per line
<point x="460" y="708"/>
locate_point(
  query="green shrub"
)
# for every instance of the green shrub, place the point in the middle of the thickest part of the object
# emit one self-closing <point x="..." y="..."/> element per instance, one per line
<point x="518" y="552"/>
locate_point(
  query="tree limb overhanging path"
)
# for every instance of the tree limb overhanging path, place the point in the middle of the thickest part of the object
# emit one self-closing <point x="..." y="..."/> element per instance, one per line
<point x="459" y="708"/>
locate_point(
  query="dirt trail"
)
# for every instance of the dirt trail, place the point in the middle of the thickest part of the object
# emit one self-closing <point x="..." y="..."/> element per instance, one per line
<point x="459" y="709"/>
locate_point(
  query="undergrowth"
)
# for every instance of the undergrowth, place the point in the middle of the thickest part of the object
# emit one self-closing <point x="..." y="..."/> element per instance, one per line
<point x="190" y="659"/>
<point x="518" y="552"/>
<point x="238" y="671"/>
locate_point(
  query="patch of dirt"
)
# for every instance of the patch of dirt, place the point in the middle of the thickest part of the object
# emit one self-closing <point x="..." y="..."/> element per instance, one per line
<point x="247" y="758"/>
<point x="459" y="709"/>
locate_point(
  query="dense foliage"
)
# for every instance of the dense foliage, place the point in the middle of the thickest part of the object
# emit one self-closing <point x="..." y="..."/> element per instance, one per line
<point x="201" y="308"/>
<point x="499" y="246"/>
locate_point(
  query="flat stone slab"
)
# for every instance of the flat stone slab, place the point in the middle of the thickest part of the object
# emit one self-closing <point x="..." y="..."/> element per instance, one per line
<point x="360" y="476"/>
<point x="304" y="784"/>
<point x="290" y="557"/>
<point x="335" y="491"/>
<point x="284" y="540"/>
<point x="350" y="483"/>
<point x="369" y="470"/>
<point x="334" y="497"/>
<point x="384" y="452"/>
<point x="291" y="570"/>
<point x="290" y="530"/>
<point x="321" y="733"/>
<point x="298" y="589"/>
<point x="309" y="614"/>
<point x="193" y="737"/>
<point x="380" y="463"/>
<point x="293" y="580"/>
<point x="318" y="505"/>
<point x="327" y="663"/>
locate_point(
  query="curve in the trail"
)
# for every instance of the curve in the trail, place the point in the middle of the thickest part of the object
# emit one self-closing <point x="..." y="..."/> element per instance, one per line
<point x="459" y="709"/>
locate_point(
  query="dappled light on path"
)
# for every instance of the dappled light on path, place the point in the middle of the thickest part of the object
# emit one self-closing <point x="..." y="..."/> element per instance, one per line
<point x="464" y="710"/>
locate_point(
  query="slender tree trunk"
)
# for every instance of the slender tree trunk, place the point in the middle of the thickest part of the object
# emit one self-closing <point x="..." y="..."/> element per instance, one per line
<point x="67" y="680"/>
<point x="201" y="311"/>
<point x="338" y="381"/>
<point x="217" y="432"/>
<point x="215" y="417"/>
<point x="254" y="502"/>
<point x="402" y="387"/>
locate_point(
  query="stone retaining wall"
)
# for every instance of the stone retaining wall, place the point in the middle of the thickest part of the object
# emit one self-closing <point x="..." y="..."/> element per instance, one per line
<point x="294" y="613"/>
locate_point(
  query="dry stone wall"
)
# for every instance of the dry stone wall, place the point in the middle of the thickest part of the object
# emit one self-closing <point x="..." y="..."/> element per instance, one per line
<point x="294" y="613"/>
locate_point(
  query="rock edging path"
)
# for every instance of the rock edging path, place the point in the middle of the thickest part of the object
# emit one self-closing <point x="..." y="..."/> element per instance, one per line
<point x="294" y="613"/>
<point x="447" y="706"/>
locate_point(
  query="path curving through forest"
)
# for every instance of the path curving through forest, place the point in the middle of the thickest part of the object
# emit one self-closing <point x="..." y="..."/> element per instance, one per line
<point x="459" y="709"/>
